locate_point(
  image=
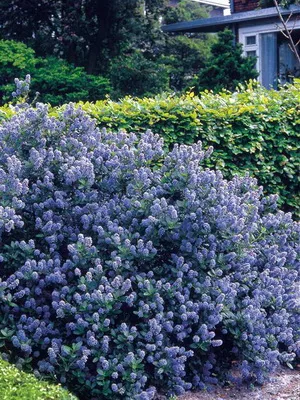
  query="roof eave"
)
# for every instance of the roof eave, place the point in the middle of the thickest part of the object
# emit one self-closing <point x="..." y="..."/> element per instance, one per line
<point x="218" y="23"/>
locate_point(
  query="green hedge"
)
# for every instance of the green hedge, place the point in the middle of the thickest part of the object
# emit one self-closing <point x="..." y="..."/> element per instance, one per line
<point x="17" y="385"/>
<point x="252" y="130"/>
<point x="6" y="112"/>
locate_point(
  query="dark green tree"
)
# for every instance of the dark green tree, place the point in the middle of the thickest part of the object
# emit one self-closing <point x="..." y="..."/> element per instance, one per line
<point x="185" y="10"/>
<point x="135" y="75"/>
<point x="111" y="38"/>
<point x="226" y="67"/>
<point x="84" y="32"/>
<point x="185" y="54"/>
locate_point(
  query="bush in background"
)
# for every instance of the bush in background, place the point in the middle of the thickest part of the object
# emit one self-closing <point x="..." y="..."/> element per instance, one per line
<point x="15" y="58"/>
<point x="59" y="82"/>
<point x="253" y="130"/>
<point x="226" y="67"/>
<point x="120" y="277"/>
<point x="185" y="56"/>
<point x="135" y="75"/>
<point x="56" y="80"/>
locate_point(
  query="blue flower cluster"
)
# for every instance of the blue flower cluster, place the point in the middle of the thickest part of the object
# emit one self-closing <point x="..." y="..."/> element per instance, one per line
<point x="22" y="87"/>
<point x="126" y="270"/>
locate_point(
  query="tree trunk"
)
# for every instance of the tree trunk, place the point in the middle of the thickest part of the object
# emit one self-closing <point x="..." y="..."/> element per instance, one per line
<point x="103" y="12"/>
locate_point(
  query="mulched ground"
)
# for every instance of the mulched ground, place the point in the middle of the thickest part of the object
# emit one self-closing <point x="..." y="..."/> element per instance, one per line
<point x="283" y="385"/>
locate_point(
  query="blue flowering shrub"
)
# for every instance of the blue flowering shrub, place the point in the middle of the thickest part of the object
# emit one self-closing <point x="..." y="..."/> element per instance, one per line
<point x="127" y="270"/>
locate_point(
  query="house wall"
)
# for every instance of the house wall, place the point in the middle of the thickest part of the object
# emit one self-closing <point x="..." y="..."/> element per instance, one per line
<point x="261" y="40"/>
<point x="244" y="5"/>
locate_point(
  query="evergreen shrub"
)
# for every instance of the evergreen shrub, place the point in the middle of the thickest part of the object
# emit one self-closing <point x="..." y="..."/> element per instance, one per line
<point x="227" y="66"/>
<point x="55" y="79"/>
<point x="252" y="130"/>
<point x="127" y="269"/>
<point x="134" y="74"/>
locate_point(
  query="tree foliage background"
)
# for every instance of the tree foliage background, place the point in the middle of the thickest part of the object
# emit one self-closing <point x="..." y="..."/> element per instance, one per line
<point x="84" y="32"/>
<point x="120" y="40"/>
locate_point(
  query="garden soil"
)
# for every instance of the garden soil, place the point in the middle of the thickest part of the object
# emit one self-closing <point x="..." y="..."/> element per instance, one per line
<point x="283" y="385"/>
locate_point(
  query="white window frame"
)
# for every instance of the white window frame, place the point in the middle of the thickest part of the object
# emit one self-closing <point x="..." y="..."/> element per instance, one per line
<point x="251" y="47"/>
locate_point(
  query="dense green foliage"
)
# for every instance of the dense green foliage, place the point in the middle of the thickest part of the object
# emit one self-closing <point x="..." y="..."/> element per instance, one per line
<point x="185" y="56"/>
<point x="121" y="40"/>
<point x="226" y="66"/>
<point x="184" y="11"/>
<point x="254" y="130"/>
<point x="60" y="82"/>
<point x="15" y="58"/>
<point x="87" y="33"/>
<point x="56" y="80"/>
<point x="135" y="75"/>
<point x="17" y="385"/>
<point x="170" y="64"/>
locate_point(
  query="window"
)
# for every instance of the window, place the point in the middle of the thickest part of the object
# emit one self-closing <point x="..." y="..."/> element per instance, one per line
<point x="251" y="53"/>
<point x="250" y="40"/>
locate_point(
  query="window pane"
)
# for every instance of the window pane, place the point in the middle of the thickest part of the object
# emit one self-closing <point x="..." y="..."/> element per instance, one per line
<point x="250" y="40"/>
<point x="269" y="60"/>
<point x="251" y="53"/>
